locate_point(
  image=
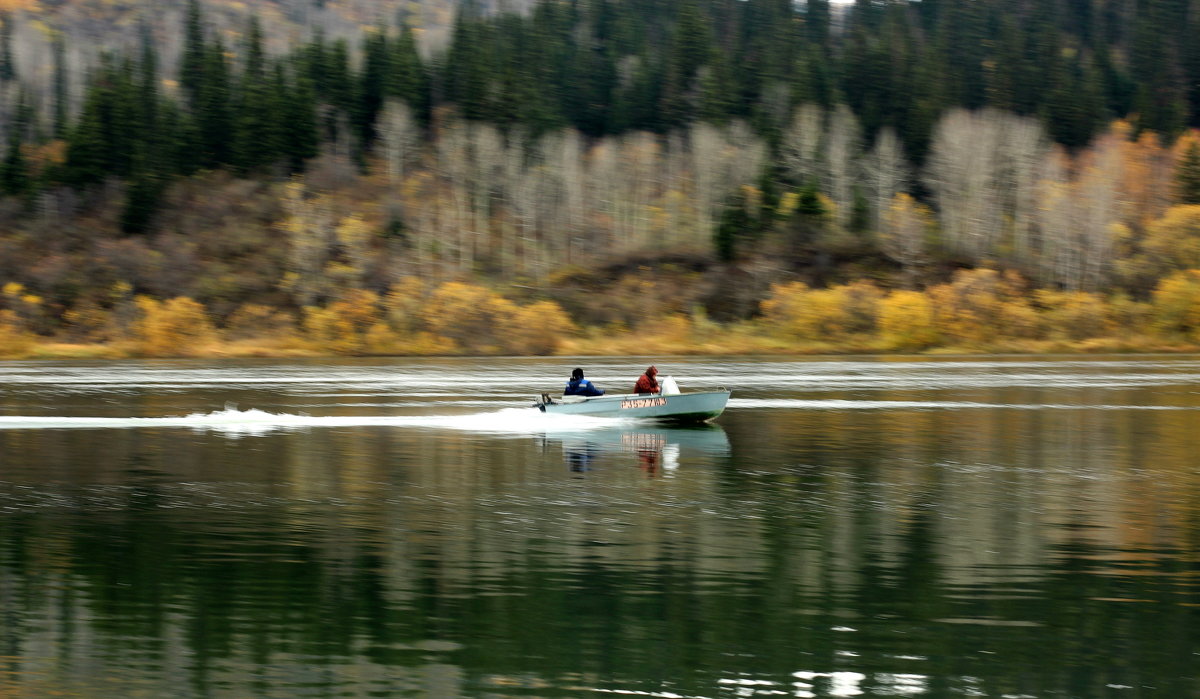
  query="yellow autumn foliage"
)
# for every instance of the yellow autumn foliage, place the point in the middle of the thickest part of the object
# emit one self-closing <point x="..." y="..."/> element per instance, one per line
<point x="342" y="326"/>
<point x="470" y="316"/>
<point x="980" y="306"/>
<point x="1074" y="315"/>
<point x="796" y="311"/>
<point x="14" y="339"/>
<point x="906" y="321"/>
<point x="1176" y="305"/>
<point x="1173" y="241"/>
<point x="536" y="329"/>
<point x="254" y="321"/>
<point x="177" y="327"/>
<point x="402" y="304"/>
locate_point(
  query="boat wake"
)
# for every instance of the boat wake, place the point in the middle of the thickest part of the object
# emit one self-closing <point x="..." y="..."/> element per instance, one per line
<point x="515" y="421"/>
<point x="834" y="404"/>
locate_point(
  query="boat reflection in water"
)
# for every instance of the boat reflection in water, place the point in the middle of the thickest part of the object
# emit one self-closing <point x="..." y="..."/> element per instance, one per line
<point x="659" y="449"/>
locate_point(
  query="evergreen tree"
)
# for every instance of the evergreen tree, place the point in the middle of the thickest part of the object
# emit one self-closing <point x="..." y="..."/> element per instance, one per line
<point x="257" y="115"/>
<point x="300" y="132"/>
<point x="1160" y="100"/>
<point x="406" y="74"/>
<point x="14" y="171"/>
<point x="817" y="21"/>
<point x="8" y="66"/>
<point x="736" y="228"/>
<point x="372" y="85"/>
<point x="1074" y="107"/>
<point x="143" y="198"/>
<point x="468" y="72"/>
<point x="61" y="95"/>
<point x="194" y="59"/>
<point x="103" y="142"/>
<point x="1187" y="175"/>
<point x="211" y="112"/>
<point x="691" y="49"/>
<point x="147" y="87"/>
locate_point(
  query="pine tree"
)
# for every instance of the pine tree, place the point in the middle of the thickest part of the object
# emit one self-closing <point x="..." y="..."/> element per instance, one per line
<point x="14" y="170"/>
<point x="211" y="111"/>
<point x="8" y="66"/>
<point x="143" y="198"/>
<point x="194" y="60"/>
<point x="690" y="49"/>
<point x="817" y="21"/>
<point x="61" y="95"/>
<point x="104" y="141"/>
<point x="257" y="115"/>
<point x="372" y="85"/>
<point x="736" y="228"/>
<point x="1187" y="175"/>
<point x="1160" y="100"/>
<point x="300" y="133"/>
<point x="406" y="74"/>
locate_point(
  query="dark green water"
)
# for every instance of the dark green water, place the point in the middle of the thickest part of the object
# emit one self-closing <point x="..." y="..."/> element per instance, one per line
<point x="1001" y="527"/>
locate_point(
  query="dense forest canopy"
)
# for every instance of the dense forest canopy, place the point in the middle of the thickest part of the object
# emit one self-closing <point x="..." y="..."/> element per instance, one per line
<point x="279" y="160"/>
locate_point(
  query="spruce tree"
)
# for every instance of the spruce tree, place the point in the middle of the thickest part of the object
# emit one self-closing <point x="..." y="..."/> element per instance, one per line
<point x="406" y="74"/>
<point x="300" y="132"/>
<point x="61" y="95"/>
<point x="193" y="62"/>
<point x="256" y="116"/>
<point x="211" y="112"/>
<point x="1187" y="175"/>
<point x="8" y="66"/>
<point x="372" y="85"/>
<point x="736" y="227"/>
<point x="14" y="171"/>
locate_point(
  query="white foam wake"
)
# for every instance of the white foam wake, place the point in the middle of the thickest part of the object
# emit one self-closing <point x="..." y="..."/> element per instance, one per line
<point x="836" y="404"/>
<point x="254" y="421"/>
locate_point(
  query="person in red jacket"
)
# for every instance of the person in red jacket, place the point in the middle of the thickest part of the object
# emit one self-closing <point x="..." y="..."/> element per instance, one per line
<point x="646" y="383"/>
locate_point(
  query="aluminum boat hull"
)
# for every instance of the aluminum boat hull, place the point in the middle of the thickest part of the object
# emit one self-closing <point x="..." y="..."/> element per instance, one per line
<point x="701" y="406"/>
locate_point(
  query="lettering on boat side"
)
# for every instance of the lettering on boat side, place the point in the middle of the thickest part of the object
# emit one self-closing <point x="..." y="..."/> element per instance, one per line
<point x="643" y="403"/>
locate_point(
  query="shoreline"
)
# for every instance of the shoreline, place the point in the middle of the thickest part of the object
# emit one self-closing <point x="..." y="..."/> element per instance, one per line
<point x="614" y="347"/>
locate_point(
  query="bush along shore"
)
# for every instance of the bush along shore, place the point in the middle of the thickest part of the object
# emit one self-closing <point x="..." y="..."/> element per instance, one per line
<point x="977" y="311"/>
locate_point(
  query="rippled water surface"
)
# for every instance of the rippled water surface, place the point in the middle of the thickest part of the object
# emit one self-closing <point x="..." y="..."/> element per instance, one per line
<point x="997" y="527"/>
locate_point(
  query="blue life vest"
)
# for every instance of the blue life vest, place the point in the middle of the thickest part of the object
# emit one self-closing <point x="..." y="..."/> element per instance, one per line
<point x="582" y="387"/>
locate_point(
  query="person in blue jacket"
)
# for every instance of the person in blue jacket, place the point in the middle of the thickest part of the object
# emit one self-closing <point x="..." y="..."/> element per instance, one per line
<point x="579" y="386"/>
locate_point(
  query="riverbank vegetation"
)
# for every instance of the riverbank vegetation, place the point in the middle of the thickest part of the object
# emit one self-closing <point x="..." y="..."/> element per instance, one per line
<point x="977" y="311"/>
<point x="604" y="177"/>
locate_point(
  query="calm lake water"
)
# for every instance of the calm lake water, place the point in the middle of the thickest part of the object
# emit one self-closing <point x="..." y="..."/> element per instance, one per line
<point x="984" y="527"/>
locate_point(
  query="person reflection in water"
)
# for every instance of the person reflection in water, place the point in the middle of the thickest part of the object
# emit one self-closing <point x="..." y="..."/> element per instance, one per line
<point x="579" y="459"/>
<point x="648" y="459"/>
<point x="579" y="386"/>
<point x="647" y="383"/>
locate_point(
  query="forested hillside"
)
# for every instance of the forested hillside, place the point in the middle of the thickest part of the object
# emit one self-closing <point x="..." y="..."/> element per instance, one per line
<point x="397" y="177"/>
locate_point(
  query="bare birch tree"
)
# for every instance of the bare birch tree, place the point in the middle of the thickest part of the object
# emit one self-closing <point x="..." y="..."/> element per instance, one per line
<point x="885" y="174"/>
<point x="401" y="137"/>
<point x="722" y="159"/>
<point x="801" y="149"/>
<point x="1026" y="150"/>
<point x="842" y="152"/>
<point x="903" y="232"/>
<point x="562" y="156"/>
<point x="1078" y="217"/>
<point x="469" y="156"/>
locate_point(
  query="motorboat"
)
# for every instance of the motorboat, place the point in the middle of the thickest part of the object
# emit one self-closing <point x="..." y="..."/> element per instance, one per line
<point x="698" y="406"/>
